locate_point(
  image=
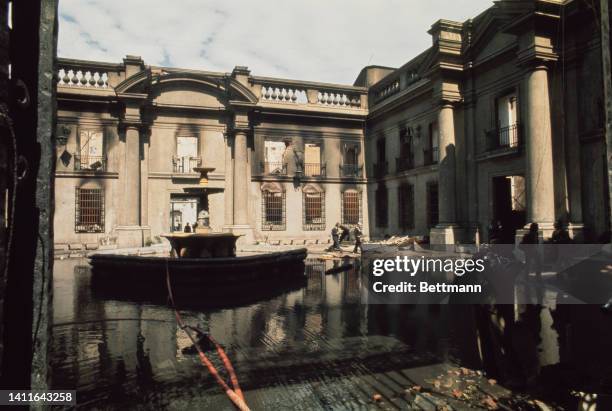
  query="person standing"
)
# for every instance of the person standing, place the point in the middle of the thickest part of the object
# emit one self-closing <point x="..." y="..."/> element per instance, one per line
<point x="357" y="233"/>
<point x="187" y="227"/>
<point x="529" y="244"/>
<point x="346" y="233"/>
<point x="335" y="233"/>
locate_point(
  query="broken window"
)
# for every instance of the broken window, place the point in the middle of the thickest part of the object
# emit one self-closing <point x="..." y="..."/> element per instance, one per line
<point x="312" y="160"/>
<point x="91" y="151"/>
<point x="274" y="152"/>
<point x="186" y="158"/>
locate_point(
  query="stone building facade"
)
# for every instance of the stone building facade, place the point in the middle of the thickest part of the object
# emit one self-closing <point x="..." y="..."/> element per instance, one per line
<point x="287" y="155"/>
<point x="500" y="119"/>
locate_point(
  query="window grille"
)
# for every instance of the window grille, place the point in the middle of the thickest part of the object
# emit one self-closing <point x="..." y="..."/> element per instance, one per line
<point x="406" y="206"/>
<point x="89" y="210"/>
<point x="351" y="207"/>
<point x="313" y="211"/>
<point x="432" y="204"/>
<point x="381" y="206"/>
<point x="273" y="211"/>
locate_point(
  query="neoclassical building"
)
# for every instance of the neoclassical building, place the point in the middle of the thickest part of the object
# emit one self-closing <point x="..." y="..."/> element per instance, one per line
<point x="500" y="119"/>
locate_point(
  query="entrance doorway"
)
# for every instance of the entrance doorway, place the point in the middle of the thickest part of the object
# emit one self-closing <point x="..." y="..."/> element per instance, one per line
<point x="184" y="209"/>
<point x="509" y="205"/>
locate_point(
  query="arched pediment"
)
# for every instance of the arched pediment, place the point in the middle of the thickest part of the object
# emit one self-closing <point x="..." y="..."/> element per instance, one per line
<point x="156" y="83"/>
<point x="272" y="187"/>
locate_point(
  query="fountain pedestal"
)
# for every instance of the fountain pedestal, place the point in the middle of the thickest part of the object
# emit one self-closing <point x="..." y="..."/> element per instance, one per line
<point x="202" y="245"/>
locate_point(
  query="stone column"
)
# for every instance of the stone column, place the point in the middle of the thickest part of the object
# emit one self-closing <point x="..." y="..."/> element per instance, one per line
<point x="241" y="184"/>
<point x="229" y="183"/>
<point x="446" y="184"/>
<point x="129" y="231"/>
<point x="446" y="232"/>
<point x="129" y="177"/>
<point x="538" y="137"/>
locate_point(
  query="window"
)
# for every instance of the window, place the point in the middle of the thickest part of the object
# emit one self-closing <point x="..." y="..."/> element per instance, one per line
<point x="432" y="204"/>
<point x="350" y="161"/>
<point x="89" y="210"/>
<point x="431" y="152"/>
<point x="273" y="208"/>
<point x="507" y="129"/>
<point x="312" y="160"/>
<point x="313" y="209"/>
<point x="405" y="196"/>
<point x="274" y="152"/>
<point x="186" y="158"/>
<point x="405" y="161"/>
<point x="381" y="206"/>
<point x="91" y="151"/>
<point x="351" y="207"/>
<point x="380" y="168"/>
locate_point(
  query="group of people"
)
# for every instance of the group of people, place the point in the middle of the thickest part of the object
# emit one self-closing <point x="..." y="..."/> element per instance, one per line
<point x="341" y="232"/>
<point x="529" y="242"/>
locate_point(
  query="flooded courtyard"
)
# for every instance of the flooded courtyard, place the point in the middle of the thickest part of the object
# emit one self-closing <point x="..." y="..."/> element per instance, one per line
<point x="321" y="346"/>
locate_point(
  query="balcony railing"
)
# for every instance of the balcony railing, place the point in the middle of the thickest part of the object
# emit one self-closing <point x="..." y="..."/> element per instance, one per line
<point x="381" y="169"/>
<point x="404" y="163"/>
<point x="430" y="156"/>
<point x="504" y="137"/>
<point x="274" y="168"/>
<point x="314" y="169"/>
<point x="185" y="165"/>
<point x="350" y="170"/>
<point x="90" y="163"/>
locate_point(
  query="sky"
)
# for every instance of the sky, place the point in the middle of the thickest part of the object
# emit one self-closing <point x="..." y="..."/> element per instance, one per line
<point x="316" y="40"/>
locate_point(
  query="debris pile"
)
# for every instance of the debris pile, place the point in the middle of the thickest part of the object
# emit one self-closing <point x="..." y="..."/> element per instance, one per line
<point x="402" y="241"/>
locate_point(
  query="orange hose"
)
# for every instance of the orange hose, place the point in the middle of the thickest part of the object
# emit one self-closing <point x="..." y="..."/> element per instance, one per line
<point x="235" y="395"/>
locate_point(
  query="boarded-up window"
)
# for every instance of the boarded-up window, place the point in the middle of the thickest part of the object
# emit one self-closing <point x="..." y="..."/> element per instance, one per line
<point x="351" y="207"/>
<point x="273" y="210"/>
<point x="89" y="210"/>
<point x="313" y="209"/>
<point x="406" y="206"/>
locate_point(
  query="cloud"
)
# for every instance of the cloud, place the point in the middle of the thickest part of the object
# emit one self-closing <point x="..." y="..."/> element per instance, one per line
<point x="320" y="40"/>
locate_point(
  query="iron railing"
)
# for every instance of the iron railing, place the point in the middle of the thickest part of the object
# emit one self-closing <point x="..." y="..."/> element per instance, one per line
<point x="90" y="163"/>
<point x="314" y="169"/>
<point x="89" y="210"/>
<point x="186" y="164"/>
<point x="276" y="168"/>
<point x="504" y="137"/>
<point x="350" y="170"/>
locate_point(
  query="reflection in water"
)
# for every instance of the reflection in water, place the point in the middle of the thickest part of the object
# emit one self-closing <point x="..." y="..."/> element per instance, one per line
<point x="315" y="347"/>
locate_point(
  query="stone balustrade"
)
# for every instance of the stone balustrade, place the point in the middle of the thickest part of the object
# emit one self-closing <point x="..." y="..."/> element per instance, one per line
<point x="339" y="99"/>
<point x="309" y="93"/>
<point x="280" y="94"/>
<point x="82" y="78"/>
<point x="388" y="90"/>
